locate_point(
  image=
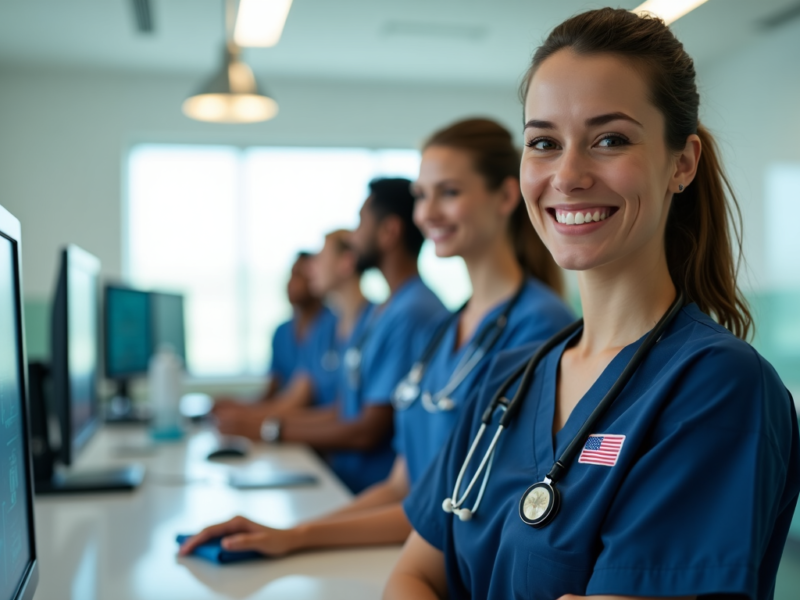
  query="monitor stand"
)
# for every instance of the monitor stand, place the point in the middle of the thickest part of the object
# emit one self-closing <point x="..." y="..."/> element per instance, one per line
<point x="121" y="409"/>
<point x="120" y="479"/>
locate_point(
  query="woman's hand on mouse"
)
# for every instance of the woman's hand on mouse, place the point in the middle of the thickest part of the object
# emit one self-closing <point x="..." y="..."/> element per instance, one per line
<point x="240" y="534"/>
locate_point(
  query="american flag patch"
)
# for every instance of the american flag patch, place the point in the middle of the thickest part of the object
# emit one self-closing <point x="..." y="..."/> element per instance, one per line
<point x="602" y="449"/>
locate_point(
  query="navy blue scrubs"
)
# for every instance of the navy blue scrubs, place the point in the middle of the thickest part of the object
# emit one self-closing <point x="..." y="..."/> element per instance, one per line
<point x="288" y="352"/>
<point x="322" y="360"/>
<point x="392" y="342"/>
<point x="420" y="435"/>
<point x="698" y="501"/>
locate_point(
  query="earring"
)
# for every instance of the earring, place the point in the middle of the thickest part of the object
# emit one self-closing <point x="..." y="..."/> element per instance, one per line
<point x="680" y="187"/>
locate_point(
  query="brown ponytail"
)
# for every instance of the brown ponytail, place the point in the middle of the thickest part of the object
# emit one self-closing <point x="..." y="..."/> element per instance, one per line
<point x="496" y="159"/>
<point x="704" y="224"/>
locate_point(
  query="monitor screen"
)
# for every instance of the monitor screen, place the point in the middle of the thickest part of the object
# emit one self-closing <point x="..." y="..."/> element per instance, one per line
<point x="128" y="342"/>
<point x="168" y="325"/>
<point x="16" y="546"/>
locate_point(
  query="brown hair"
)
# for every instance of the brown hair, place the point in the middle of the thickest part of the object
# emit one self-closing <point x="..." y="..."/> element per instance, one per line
<point x="496" y="159"/>
<point x="705" y="219"/>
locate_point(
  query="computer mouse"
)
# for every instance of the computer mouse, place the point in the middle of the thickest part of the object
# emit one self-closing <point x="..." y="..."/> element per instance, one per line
<point x="226" y="452"/>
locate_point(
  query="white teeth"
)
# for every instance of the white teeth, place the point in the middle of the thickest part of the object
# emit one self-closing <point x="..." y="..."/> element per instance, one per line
<point x="579" y="218"/>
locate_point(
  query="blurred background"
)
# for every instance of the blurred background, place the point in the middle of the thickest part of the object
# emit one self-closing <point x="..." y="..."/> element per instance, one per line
<point x="96" y="150"/>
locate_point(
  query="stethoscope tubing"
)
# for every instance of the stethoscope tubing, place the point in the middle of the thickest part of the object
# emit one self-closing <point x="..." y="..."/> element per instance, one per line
<point x="511" y="408"/>
<point x="481" y="345"/>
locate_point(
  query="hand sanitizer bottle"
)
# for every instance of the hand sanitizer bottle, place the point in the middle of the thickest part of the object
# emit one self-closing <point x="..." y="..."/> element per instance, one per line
<point x="164" y="387"/>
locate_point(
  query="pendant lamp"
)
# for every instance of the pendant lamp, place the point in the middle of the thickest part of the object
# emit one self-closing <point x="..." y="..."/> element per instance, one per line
<point x="232" y="94"/>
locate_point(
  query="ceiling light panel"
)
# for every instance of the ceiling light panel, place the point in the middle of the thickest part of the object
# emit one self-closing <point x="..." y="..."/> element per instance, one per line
<point x="259" y="23"/>
<point x="668" y="10"/>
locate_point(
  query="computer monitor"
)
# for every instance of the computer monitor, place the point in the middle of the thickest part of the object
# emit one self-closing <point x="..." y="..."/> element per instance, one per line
<point x="18" y="543"/>
<point x="136" y="324"/>
<point x="127" y="332"/>
<point x="168" y="326"/>
<point x="74" y="356"/>
<point x="72" y="397"/>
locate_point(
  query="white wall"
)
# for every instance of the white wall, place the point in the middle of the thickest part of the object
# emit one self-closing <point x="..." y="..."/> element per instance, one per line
<point x="751" y="100"/>
<point x="64" y="137"/>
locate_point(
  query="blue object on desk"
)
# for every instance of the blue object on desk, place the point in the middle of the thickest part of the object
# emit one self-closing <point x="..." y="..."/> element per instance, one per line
<point x="212" y="550"/>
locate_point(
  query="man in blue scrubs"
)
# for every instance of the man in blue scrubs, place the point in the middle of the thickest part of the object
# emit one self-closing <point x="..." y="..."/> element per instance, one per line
<point x="296" y="340"/>
<point x="310" y="324"/>
<point x="358" y="442"/>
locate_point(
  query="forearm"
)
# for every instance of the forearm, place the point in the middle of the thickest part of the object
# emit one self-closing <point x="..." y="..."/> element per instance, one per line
<point x="368" y="527"/>
<point x="271" y="390"/>
<point x="297" y="397"/>
<point x="329" y="435"/>
<point x="379" y="495"/>
<point x="311" y="417"/>
<point x="402" y="586"/>
<point x="372" y="427"/>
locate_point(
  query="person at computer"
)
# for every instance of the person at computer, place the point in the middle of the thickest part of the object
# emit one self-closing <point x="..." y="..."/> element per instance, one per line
<point x="358" y="438"/>
<point x="468" y="202"/>
<point x="334" y="275"/>
<point x="311" y="323"/>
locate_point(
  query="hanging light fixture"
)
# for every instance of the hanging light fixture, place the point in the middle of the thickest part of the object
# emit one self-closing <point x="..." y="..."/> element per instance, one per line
<point x="232" y="94"/>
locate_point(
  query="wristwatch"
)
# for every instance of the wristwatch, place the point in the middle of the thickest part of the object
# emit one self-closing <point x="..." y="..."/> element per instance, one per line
<point x="271" y="430"/>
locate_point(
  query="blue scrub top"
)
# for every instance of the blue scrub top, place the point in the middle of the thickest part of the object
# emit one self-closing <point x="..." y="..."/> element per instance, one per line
<point x="321" y="359"/>
<point x="419" y="435"/>
<point x="395" y="333"/>
<point x="699" y="500"/>
<point x="289" y="352"/>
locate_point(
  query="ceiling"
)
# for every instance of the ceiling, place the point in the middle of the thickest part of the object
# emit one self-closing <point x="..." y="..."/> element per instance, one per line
<point x="461" y="42"/>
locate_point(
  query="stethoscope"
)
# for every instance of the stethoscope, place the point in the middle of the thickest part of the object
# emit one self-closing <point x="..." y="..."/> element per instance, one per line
<point x="352" y="356"/>
<point x="541" y="502"/>
<point x="408" y="390"/>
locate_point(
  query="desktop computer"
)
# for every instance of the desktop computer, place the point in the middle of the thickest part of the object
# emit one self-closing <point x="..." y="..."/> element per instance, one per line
<point x="19" y="574"/>
<point x="65" y="394"/>
<point x="137" y="323"/>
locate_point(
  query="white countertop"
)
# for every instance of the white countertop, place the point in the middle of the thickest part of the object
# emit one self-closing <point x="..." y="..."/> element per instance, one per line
<point x="122" y="546"/>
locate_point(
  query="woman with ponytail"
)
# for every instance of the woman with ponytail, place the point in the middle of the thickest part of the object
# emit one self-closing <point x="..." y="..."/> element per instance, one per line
<point x="649" y="450"/>
<point x="469" y="203"/>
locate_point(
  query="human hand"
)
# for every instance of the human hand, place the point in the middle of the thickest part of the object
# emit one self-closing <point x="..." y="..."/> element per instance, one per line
<point x="240" y="534"/>
<point x="244" y="421"/>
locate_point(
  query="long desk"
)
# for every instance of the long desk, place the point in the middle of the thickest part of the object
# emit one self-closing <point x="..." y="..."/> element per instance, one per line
<point x="122" y="546"/>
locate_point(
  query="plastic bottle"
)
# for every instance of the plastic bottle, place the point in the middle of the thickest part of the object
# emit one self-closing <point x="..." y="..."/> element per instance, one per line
<point x="164" y="375"/>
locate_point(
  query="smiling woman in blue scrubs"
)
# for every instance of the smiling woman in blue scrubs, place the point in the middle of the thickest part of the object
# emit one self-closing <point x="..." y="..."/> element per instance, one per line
<point x="648" y="451"/>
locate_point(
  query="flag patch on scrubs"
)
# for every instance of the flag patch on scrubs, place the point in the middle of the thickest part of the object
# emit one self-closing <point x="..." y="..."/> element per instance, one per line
<point x="602" y="449"/>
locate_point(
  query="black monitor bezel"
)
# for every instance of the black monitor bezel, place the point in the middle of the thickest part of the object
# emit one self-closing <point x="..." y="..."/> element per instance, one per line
<point x="10" y="230"/>
<point x="123" y="375"/>
<point x="72" y="442"/>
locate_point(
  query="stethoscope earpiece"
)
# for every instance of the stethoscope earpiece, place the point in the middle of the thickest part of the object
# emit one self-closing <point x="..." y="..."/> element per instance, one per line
<point x="447" y="505"/>
<point x="464" y="514"/>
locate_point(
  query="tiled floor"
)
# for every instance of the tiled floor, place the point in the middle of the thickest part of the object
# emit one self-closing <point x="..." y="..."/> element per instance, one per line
<point x="788" y="584"/>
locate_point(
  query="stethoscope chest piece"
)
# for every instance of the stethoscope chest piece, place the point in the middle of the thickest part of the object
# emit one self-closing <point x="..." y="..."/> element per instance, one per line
<point x="330" y="360"/>
<point x="539" y="504"/>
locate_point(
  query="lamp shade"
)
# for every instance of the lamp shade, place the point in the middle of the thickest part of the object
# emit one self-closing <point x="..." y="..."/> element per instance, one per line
<point x="231" y="95"/>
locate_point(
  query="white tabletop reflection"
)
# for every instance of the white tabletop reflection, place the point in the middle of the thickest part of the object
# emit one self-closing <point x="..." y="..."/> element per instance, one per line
<point x="122" y="546"/>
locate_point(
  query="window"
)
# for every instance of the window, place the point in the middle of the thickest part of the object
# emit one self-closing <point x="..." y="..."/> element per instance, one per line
<point x="223" y="224"/>
<point x="775" y="303"/>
